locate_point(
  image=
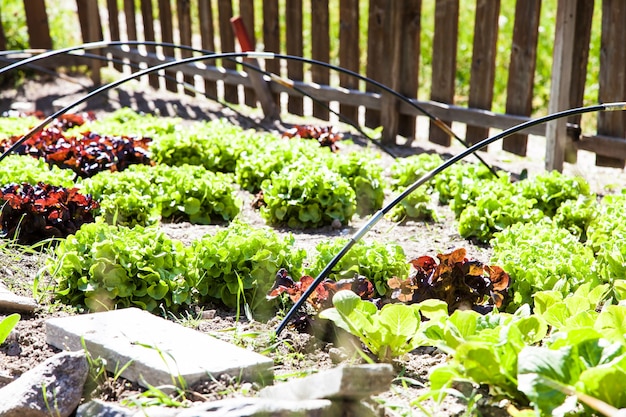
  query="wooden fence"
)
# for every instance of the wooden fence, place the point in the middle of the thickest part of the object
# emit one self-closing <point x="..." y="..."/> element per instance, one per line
<point x="393" y="54"/>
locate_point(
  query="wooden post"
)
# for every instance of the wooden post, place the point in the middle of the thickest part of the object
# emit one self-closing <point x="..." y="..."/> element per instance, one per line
<point x="389" y="116"/>
<point x="556" y="130"/>
<point x="207" y="35"/>
<point x="612" y="74"/>
<point x="147" y="17"/>
<point x="114" y="27"/>
<point x="519" y="89"/>
<point x="376" y="30"/>
<point x="320" y="50"/>
<point x="227" y="44"/>
<point x="183" y="8"/>
<point x="349" y="51"/>
<point x="444" y="61"/>
<point x="295" y="69"/>
<point x="37" y="22"/>
<point x="91" y="31"/>
<point x="167" y="35"/>
<point x="271" y="38"/>
<point x="483" y="63"/>
<point x="409" y="64"/>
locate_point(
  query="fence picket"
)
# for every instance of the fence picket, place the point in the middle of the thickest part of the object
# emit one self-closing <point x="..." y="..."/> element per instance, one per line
<point x="612" y="74"/>
<point x="483" y="70"/>
<point x="183" y="9"/>
<point x="444" y="61"/>
<point x="295" y="69"/>
<point x="320" y="51"/>
<point x="519" y="90"/>
<point x="167" y="35"/>
<point x="147" y="19"/>
<point x="349" y="52"/>
<point x="37" y="22"/>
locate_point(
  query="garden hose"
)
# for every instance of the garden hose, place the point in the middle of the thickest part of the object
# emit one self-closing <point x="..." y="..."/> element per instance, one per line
<point x="617" y="106"/>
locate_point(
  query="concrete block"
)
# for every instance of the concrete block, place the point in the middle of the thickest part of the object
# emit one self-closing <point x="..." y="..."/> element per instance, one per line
<point x="157" y="351"/>
<point x="345" y="383"/>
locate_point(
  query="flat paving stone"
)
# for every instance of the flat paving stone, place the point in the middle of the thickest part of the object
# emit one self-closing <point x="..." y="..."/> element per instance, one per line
<point x="155" y="351"/>
<point x="15" y="303"/>
<point x="345" y="382"/>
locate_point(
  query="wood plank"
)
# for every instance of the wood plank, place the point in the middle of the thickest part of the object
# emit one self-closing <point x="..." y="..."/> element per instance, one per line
<point x="183" y="9"/>
<point x="167" y="35"/>
<point x="227" y="44"/>
<point x="612" y="74"/>
<point x="114" y="26"/>
<point x="580" y="58"/>
<point x="93" y="33"/>
<point x="207" y="39"/>
<point x="37" y="22"/>
<point x="519" y="90"/>
<point x="389" y="116"/>
<point x="246" y="11"/>
<point x="271" y="37"/>
<point x="349" y="54"/>
<point x="410" y="59"/>
<point x="320" y="51"/>
<point x="604" y="146"/>
<point x="3" y="39"/>
<point x="444" y="61"/>
<point x="376" y="30"/>
<point x="483" y="69"/>
<point x="147" y="18"/>
<point x="295" y="69"/>
<point x="131" y="21"/>
<point x="556" y="138"/>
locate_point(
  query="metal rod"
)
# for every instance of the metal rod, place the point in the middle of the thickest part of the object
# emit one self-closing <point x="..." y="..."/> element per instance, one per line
<point x="618" y="106"/>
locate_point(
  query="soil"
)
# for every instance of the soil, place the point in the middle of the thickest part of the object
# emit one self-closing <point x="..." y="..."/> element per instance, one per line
<point x="295" y="354"/>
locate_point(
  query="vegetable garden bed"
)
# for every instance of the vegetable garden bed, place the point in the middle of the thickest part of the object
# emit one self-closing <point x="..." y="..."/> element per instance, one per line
<point x="201" y="223"/>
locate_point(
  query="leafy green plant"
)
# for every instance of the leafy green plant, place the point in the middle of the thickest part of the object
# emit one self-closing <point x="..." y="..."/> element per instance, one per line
<point x="216" y="145"/>
<point x="541" y="256"/>
<point x="130" y="210"/>
<point x="18" y="169"/>
<point x="364" y="173"/>
<point x="7" y="325"/>
<point x="307" y="195"/>
<point x="388" y="333"/>
<point x="127" y="121"/>
<point x="188" y="192"/>
<point x="550" y="190"/>
<point x="240" y="263"/>
<point x="103" y="267"/>
<point x="259" y="164"/>
<point x="374" y="260"/>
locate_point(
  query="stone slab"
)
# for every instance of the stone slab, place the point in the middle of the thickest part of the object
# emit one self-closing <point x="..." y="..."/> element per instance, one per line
<point x="12" y="302"/>
<point x="155" y="351"/>
<point x="344" y="382"/>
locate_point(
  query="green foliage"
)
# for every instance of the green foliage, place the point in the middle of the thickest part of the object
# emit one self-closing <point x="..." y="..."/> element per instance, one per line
<point x="495" y="210"/>
<point x="541" y="256"/>
<point x="388" y="333"/>
<point x="130" y="210"/>
<point x="13" y="126"/>
<point x="188" y="192"/>
<point x="456" y="179"/>
<point x="258" y="165"/>
<point x="238" y="264"/>
<point x="364" y="173"/>
<point x="216" y="145"/>
<point x="307" y="195"/>
<point x="550" y="190"/>
<point x="417" y="205"/>
<point x="103" y="267"/>
<point x="126" y="121"/>
<point x="17" y="169"/>
<point x="7" y="325"/>
<point x="405" y="171"/>
<point x="374" y="260"/>
<point x="575" y="215"/>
